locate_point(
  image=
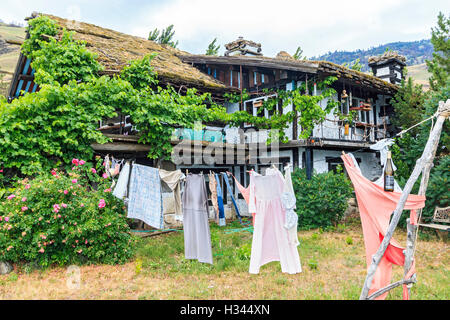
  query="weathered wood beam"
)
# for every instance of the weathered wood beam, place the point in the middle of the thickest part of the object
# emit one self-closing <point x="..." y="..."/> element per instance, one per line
<point x="14" y="42"/>
<point x="427" y="157"/>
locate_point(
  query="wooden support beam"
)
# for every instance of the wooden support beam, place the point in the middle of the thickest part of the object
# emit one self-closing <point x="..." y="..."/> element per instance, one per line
<point x="426" y="158"/>
<point x="409" y="251"/>
<point x="390" y="287"/>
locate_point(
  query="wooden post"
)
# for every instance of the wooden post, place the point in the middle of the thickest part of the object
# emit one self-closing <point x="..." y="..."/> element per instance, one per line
<point x="409" y="251"/>
<point x="426" y="158"/>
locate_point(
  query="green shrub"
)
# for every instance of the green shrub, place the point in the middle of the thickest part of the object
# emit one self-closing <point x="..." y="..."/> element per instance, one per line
<point x="61" y="219"/>
<point x="321" y="201"/>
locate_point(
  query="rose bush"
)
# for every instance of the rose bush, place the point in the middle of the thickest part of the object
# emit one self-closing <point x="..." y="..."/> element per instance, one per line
<point x="65" y="218"/>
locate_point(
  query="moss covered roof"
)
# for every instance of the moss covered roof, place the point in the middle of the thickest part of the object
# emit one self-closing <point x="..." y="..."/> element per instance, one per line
<point x="116" y="49"/>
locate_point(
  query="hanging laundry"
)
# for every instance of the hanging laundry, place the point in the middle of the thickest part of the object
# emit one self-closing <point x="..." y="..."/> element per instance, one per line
<point x="197" y="237"/>
<point x="225" y="177"/>
<point x="172" y="179"/>
<point x="288" y="201"/>
<point x="222" y="221"/>
<point x="214" y="200"/>
<point x="145" y="200"/>
<point x="120" y="191"/>
<point x="271" y="240"/>
<point x="376" y="207"/>
<point x="107" y="165"/>
<point x="115" y="167"/>
<point x="245" y="192"/>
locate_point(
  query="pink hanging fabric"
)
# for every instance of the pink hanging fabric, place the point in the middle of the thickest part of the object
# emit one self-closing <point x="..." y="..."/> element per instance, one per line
<point x="375" y="207"/>
<point x="245" y="193"/>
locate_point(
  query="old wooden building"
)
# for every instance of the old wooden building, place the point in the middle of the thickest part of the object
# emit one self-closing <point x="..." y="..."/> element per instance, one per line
<point x="244" y="67"/>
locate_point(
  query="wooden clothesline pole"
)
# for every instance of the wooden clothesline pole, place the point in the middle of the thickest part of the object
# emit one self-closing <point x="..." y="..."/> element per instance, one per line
<point x="422" y="164"/>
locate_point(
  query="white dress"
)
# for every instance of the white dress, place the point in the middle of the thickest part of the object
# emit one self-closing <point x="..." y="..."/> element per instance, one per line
<point x="271" y="240"/>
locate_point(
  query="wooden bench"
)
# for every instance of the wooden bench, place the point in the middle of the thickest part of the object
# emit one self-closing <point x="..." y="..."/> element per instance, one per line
<point x="441" y="215"/>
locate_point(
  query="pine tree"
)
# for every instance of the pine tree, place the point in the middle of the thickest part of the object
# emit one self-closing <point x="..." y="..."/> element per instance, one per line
<point x="298" y="55"/>
<point x="153" y="35"/>
<point x="439" y="66"/>
<point x="212" y="50"/>
<point x="163" y="37"/>
<point x="408" y="105"/>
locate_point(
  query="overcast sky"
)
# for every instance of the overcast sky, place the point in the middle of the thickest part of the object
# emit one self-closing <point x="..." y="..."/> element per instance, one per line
<point x="317" y="26"/>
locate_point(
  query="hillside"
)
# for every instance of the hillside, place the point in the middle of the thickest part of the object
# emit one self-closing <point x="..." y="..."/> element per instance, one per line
<point x="416" y="52"/>
<point x="8" y="53"/>
<point x="420" y="75"/>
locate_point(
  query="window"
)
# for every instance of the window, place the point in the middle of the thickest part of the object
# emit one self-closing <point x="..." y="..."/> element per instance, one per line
<point x="333" y="162"/>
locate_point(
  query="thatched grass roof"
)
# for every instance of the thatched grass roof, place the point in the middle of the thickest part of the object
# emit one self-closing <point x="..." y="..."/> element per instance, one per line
<point x="284" y="63"/>
<point x="116" y="49"/>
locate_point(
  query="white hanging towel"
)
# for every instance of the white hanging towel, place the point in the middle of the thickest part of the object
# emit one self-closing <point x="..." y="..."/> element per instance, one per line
<point x="120" y="191"/>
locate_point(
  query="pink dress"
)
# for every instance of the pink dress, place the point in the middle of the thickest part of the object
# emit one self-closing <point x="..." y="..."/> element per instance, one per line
<point x="270" y="238"/>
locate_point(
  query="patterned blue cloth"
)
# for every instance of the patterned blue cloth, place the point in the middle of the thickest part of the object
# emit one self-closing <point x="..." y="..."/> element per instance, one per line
<point x="222" y="221"/>
<point x="145" y="199"/>
<point x="225" y="177"/>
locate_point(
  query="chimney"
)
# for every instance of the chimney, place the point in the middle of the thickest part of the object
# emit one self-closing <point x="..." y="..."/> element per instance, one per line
<point x="389" y="66"/>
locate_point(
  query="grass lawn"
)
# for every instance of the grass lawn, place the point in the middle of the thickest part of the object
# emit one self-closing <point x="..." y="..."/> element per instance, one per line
<point x="333" y="265"/>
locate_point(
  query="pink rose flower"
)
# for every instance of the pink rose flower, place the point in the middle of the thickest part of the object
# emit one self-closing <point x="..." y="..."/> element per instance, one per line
<point x="27" y="186"/>
<point x="24" y="208"/>
<point x="11" y="197"/>
<point x="53" y="172"/>
<point x="75" y="161"/>
<point x="81" y="205"/>
<point x="56" y="208"/>
<point x="102" y="203"/>
<point x="1" y="170"/>
<point x="6" y="219"/>
<point x="82" y="162"/>
<point x="42" y="250"/>
<point x="66" y="191"/>
<point x="107" y="190"/>
<point x="74" y="181"/>
<point x="24" y="234"/>
<point x="93" y="170"/>
<point x="104" y="175"/>
<point x="64" y="205"/>
<point x="24" y="199"/>
<point x="80" y="251"/>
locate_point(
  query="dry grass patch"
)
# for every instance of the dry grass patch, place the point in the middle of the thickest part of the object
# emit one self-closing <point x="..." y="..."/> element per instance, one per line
<point x="160" y="271"/>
